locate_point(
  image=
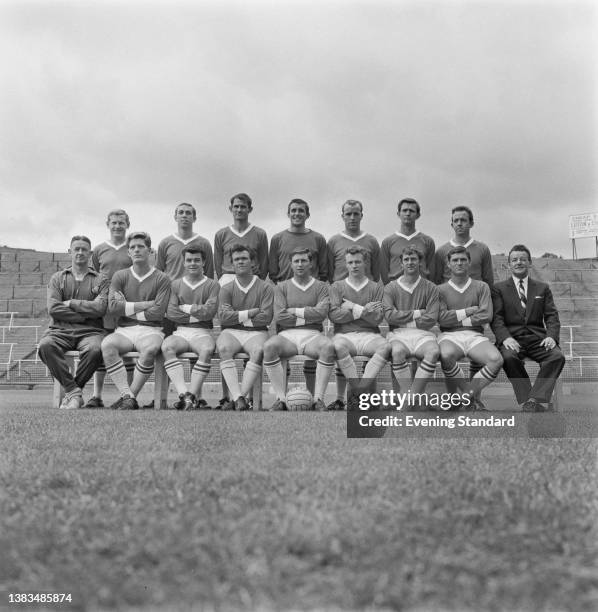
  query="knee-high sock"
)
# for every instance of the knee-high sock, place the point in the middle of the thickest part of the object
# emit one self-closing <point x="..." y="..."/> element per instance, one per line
<point x="142" y="372"/>
<point x="252" y="372"/>
<point x="229" y="373"/>
<point x="347" y="366"/>
<point x="323" y="374"/>
<point x="482" y="378"/>
<point x="424" y="372"/>
<point x="118" y="374"/>
<point x="309" y="371"/>
<point x="374" y="366"/>
<point x="341" y="385"/>
<point x="176" y="372"/>
<point x="276" y="376"/>
<point x="199" y="373"/>
<point x="402" y="374"/>
<point x="455" y="374"/>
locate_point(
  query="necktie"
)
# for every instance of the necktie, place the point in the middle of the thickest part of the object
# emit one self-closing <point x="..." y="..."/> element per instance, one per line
<point x="522" y="296"/>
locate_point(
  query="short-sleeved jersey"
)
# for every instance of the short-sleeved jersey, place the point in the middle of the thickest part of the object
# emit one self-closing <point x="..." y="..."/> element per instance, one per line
<point x="391" y="265"/>
<point x="254" y="237"/>
<point x="169" y="258"/>
<point x="454" y="299"/>
<point x="235" y="300"/>
<point x="284" y="243"/>
<point x="201" y="296"/>
<point x="153" y="287"/>
<point x="481" y="262"/>
<point x="346" y="321"/>
<point x="337" y="246"/>
<point x="401" y="303"/>
<point x="313" y="298"/>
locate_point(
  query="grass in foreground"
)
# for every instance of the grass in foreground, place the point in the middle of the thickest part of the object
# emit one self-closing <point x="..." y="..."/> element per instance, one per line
<point x="225" y="511"/>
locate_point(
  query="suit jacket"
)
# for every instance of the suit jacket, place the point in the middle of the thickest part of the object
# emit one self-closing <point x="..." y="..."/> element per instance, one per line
<point x="540" y="317"/>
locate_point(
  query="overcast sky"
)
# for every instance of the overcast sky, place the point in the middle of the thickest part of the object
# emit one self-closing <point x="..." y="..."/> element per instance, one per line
<point x="141" y="105"/>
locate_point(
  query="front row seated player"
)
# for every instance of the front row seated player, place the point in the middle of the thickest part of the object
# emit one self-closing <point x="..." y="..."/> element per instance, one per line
<point x="465" y="306"/>
<point x="356" y="311"/>
<point x="411" y="306"/>
<point x="301" y="304"/>
<point x="192" y="307"/>
<point x="77" y="299"/>
<point x="139" y="298"/>
<point x="245" y="311"/>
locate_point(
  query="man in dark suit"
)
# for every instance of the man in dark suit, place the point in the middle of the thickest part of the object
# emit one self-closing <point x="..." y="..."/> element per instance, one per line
<point x="526" y="324"/>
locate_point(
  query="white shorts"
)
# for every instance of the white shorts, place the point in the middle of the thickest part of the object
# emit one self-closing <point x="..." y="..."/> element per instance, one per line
<point x="360" y="340"/>
<point x="135" y="333"/>
<point x="465" y="339"/>
<point x="191" y="333"/>
<point x="300" y="337"/>
<point x="225" y="279"/>
<point x="243" y="337"/>
<point x="412" y="338"/>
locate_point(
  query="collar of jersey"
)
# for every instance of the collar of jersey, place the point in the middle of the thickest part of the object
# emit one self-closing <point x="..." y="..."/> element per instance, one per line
<point x="351" y="237"/>
<point x="357" y="287"/>
<point x="185" y="241"/>
<point x="460" y="289"/>
<point x="240" y="234"/>
<point x="114" y="246"/>
<point x="194" y="287"/>
<point x="454" y="244"/>
<point x="142" y="278"/>
<point x="246" y="289"/>
<point x="69" y="270"/>
<point x="408" y="237"/>
<point x="303" y="287"/>
<point x="406" y="288"/>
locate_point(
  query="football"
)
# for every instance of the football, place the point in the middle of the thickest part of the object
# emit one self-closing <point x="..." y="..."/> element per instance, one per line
<point x="299" y="399"/>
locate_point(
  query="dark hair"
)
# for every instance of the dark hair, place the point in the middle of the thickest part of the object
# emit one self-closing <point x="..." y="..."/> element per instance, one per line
<point x="352" y="203"/>
<point x="300" y="251"/>
<point x="520" y="247"/>
<point x="186" y="204"/>
<point x="411" y="250"/>
<point x="456" y="250"/>
<point x="238" y="248"/>
<point x="120" y="213"/>
<point x="409" y="201"/>
<point x="140" y="236"/>
<point x="244" y="198"/>
<point x="462" y="209"/>
<point x="357" y="250"/>
<point x="298" y="201"/>
<point x="82" y="238"/>
<point x="192" y="250"/>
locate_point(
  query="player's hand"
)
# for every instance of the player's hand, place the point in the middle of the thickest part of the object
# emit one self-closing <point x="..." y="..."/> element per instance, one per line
<point x="346" y="305"/>
<point x="548" y="344"/>
<point x="511" y="344"/>
<point x="292" y="311"/>
<point x="471" y="310"/>
<point x="67" y="303"/>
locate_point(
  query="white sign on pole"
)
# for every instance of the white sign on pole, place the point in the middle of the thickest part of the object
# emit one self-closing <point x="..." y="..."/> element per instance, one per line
<point x="584" y="225"/>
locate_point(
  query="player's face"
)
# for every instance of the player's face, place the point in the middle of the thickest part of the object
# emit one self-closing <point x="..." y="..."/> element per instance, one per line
<point x="139" y="251"/>
<point x="240" y="210"/>
<point x="352" y="216"/>
<point x="184" y="216"/>
<point x="301" y="266"/>
<point x="408" y="213"/>
<point x="193" y="264"/>
<point x="519" y="264"/>
<point x="297" y="215"/>
<point x="117" y="226"/>
<point x="459" y="264"/>
<point x="80" y="252"/>
<point x="410" y="263"/>
<point x="355" y="264"/>
<point x="241" y="262"/>
<point x="461" y="223"/>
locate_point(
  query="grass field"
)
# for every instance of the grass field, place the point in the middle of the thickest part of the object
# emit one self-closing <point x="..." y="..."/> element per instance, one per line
<point x="268" y="511"/>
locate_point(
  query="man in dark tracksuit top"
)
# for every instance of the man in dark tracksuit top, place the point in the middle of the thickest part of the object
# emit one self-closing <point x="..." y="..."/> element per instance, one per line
<point x="77" y="300"/>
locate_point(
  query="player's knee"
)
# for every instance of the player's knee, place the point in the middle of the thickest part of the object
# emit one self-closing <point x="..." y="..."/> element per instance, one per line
<point x="270" y="349"/>
<point x="327" y="350"/>
<point x="432" y="355"/>
<point x="256" y="355"/>
<point x="225" y="351"/>
<point x="340" y="350"/>
<point x="495" y="362"/>
<point x="168" y="351"/>
<point x="384" y="351"/>
<point x="398" y="354"/>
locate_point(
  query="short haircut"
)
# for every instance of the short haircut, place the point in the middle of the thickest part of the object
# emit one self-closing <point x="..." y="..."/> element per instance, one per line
<point x="298" y="201"/>
<point x="186" y="204"/>
<point x="520" y="247"/>
<point x="118" y="212"/>
<point x="411" y="250"/>
<point x="244" y="198"/>
<point x="409" y="201"/>
<point x="139" y="236"/>
<point x="300" y="251"/>
<point x="462" y="209"/>
<point x="456" y="250"/>
<point x="238" y="248"/>
<point x="82" y="238"/>
<point x="357" y="250"/>
<point x="352" y="203"/>
<point x="193" y="250"/>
